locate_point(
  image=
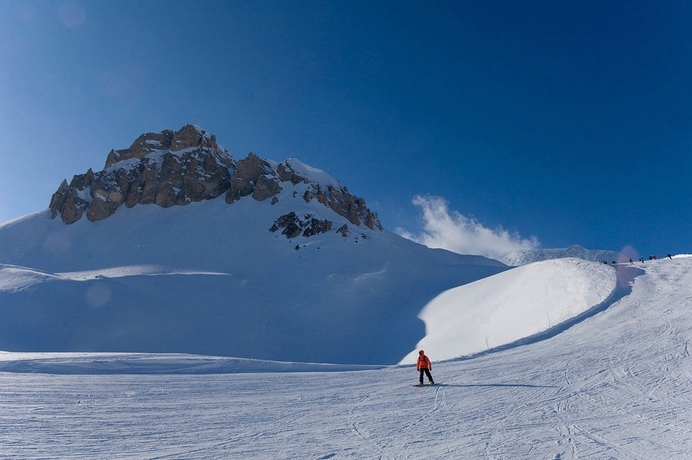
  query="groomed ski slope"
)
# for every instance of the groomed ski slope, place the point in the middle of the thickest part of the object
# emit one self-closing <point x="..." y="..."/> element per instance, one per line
<point x="616" y="384"/>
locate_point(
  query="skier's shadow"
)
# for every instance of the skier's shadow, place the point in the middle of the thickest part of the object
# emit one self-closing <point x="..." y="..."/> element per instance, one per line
<point x="493" y="385"/>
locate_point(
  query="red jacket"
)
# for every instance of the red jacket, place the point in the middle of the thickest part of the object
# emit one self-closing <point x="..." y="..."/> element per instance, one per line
<point x="423" y="363"/>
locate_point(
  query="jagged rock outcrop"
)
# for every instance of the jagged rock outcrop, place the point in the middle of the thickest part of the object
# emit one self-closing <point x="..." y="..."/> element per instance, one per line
<point x="167" y="168"/>
<point x="307" y="225"/>
<point x="255" y="177"/>
<point x="68" y="202"/>
<point x="190" y="136"/>
<point x="176" y="168"/>
<point x="287" y="174"/>
<point x="345" y="204"/>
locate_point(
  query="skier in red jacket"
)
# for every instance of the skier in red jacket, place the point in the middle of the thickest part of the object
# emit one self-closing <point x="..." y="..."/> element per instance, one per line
<point x="424" y="366"/>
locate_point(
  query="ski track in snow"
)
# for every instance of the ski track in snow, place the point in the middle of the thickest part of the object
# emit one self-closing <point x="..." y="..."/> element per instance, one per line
<point x="614" y="386"/>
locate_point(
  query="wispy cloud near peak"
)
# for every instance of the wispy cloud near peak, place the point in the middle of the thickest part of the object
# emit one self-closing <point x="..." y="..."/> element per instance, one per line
<point x="464" y="235"/>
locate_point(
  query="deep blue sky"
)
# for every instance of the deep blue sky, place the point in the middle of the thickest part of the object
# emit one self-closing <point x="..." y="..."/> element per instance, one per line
<point x="566" y="121"/>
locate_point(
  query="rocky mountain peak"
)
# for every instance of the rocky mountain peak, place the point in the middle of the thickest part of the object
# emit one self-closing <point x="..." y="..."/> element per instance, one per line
<point x="189" y="136"/>
<point x="177" y="168"/>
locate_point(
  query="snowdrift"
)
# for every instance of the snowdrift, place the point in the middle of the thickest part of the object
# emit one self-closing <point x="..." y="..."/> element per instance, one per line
<point x="512" y="305"/>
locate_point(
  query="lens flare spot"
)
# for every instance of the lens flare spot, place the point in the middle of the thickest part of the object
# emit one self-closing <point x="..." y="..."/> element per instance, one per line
<point x="57" y="243"/>
<point x="72" y="15"/>
<point x="98" y="295"/>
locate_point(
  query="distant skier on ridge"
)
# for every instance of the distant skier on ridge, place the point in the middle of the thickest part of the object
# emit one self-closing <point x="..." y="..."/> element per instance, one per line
<point x="424" y="366"/>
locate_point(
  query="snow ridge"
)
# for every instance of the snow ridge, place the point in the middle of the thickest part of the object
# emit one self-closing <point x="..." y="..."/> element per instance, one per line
<point x="527" y="256"/>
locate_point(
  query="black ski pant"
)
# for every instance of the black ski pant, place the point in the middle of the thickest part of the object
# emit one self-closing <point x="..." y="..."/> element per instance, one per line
<point x="427" y="372"/>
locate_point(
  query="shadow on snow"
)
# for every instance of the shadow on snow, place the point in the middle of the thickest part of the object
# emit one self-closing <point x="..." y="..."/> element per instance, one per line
<point x="491" y="385"/>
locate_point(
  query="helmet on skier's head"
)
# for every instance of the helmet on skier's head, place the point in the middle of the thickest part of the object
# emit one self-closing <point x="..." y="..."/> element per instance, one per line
<point x="421" y="352"/>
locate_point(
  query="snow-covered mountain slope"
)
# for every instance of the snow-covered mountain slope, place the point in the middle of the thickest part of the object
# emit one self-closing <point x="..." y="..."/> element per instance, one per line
<point x="211" y="278"/>
<point x="527" y="256"/>
<point x="177" y="247"/>
<point x="617" y="384"/>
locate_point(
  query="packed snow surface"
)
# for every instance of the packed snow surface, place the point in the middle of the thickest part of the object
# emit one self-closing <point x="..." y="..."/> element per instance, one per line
<point x="617" y="383"/>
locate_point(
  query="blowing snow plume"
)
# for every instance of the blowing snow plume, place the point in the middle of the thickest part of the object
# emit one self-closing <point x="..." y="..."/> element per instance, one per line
<point x="463" y="235"/>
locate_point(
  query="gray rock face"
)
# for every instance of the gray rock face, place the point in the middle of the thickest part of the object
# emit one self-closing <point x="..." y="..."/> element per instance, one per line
<point x="307" y="225"/>
<point x="287" y="174"/>
<point x="176" y="168"/>
<point x="189" y="136"/>
<point x="345" y="204"/>
<point x="67" y="201"/>
<point x="255" y="177"/>
<point x="165" y="168"/>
